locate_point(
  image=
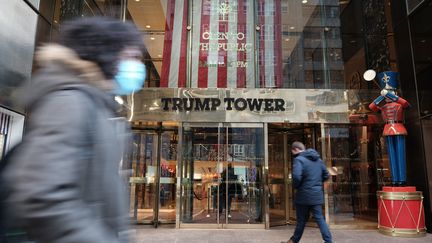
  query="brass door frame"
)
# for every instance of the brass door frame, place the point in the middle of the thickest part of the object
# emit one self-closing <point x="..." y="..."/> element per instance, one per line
<point x="157" y="181"/>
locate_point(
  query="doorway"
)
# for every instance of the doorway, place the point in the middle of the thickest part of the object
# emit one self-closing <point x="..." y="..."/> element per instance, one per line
<point x="152" y="163"/>
<point x="222" y="184"/>
<point x="281" y="191"/>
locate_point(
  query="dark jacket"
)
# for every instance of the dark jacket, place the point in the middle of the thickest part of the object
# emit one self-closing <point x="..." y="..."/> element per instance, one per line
<point x="309" y="173"/>
<point x="65" y="183"/>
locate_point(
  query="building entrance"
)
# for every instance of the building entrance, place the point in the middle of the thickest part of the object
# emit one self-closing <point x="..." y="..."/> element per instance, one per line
<point x="281" y="191"/>
<point x="152" y="183"/>
<point x="222" y="183"/>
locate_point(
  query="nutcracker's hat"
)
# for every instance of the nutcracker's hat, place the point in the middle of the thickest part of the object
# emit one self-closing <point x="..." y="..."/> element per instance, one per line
<point x="389" y="78"/>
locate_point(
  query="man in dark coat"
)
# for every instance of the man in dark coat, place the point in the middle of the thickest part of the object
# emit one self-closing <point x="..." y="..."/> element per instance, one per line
<point x="64" y="184"/>
<point x="309" y="174"/>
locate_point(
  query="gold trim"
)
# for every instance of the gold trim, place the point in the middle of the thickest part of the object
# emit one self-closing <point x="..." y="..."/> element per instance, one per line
<point x="221" y="226"/>
<point x="244" y="226"/>
<point x="400" y="195"/>
<point x="402" y="232"/>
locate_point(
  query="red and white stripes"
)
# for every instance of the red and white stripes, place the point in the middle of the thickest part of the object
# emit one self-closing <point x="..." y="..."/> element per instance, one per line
<point x="223" y="45"/>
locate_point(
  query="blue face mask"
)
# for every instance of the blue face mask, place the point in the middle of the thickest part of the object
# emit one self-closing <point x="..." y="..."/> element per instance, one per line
<point x="130" y="77"/>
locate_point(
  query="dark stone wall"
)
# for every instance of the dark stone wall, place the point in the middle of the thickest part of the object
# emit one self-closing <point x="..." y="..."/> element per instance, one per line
<point x="417" y="171"/>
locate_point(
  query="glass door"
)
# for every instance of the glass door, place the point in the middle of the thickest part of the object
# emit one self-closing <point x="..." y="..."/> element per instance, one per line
<point x="200" y="173"/>
<point x="222" y="175"/>
<point x="279" y="180"/>
<point x="281" y="190"/>
<point x="152" y="184"/>
<point x="242" y="184"/>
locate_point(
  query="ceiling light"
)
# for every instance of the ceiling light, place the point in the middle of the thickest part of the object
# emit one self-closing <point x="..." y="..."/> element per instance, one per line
<point x="304" y="1"/>
<point x="148" y="26"/>
<point x="292" y="27"/>
<point x="287" y="39"/>
<point x="137" y="0"/>
<point x="159" y="55"/>
<point x="152" y="38"/>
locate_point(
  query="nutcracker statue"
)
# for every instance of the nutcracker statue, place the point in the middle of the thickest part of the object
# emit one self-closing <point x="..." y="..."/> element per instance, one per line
<point x="400" y="207"/>
<point x="394" y="130"/>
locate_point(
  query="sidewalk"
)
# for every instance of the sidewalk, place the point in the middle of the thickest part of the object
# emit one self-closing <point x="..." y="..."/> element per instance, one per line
<point x="148" y="234"/>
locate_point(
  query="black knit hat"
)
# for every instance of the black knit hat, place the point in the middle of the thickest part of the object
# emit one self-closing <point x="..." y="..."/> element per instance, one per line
<point x="100" y="40"/>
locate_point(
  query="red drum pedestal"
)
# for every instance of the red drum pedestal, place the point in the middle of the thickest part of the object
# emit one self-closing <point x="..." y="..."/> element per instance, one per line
<point x="401" y="212"/>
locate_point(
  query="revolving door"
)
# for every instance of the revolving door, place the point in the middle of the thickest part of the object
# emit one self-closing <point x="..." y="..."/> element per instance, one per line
<point x="222" y="182"/>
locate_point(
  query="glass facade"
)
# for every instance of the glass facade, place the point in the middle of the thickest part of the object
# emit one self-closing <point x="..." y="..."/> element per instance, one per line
<point x="284" y="44"/>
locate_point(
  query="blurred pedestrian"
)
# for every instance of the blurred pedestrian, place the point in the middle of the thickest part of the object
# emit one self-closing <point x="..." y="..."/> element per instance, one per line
<point x="309" y="174"/>
<point x="64" y="184"/>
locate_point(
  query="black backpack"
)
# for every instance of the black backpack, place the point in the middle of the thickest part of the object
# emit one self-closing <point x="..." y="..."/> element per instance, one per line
<point x="8" y="234"/>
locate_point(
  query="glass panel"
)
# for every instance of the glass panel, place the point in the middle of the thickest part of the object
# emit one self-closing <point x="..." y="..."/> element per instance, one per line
<point x="167" y="191"/>
<point x="278" y="173"/>
<point x="17" y="22"/>
<point x="359" y="166"/>
<point x="143" y="163"/>
<point x="242" y="179"/>
<point x="164" y="24"/>
<point x="201" y="168"/>
<point x="300" y="44"/>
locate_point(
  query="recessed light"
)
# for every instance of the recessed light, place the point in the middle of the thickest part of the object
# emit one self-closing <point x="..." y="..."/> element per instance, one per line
<point x="137" y="0"/>
<point x="292" y="27"/>
<point x="148" y="26"/>
<point x="287" y="39"/>
<point x="304" y="1"/>
<point x="152" y="38"/>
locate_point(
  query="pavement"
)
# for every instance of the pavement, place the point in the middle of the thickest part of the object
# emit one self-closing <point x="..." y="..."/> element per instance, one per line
<point x="148" y="234"/>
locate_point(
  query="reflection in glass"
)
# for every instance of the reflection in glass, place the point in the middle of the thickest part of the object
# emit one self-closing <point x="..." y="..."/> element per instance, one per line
<point x="144" y="166"/>
<point x="222" y="175"/>
<point x="357" y="160"/>
<point x="17" y="22"/>
<point x="143" y="161"/>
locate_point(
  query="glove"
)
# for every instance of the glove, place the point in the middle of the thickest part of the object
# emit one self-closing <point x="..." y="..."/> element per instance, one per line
<point x="384" y="92"/>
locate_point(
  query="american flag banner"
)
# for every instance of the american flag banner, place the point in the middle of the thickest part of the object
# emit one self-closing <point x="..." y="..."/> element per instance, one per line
<point x="234" y="44"/>
<point x="173" y="73"/>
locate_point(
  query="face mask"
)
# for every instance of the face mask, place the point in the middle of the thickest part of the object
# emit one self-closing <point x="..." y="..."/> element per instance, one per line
<point x="130" y="77"/>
